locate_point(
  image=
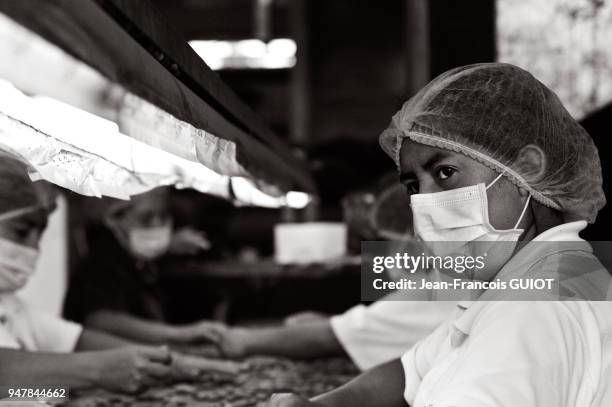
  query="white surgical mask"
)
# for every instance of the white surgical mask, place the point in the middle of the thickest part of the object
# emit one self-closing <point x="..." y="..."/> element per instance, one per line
<point x="150" y="242"/>
<point x="456" y="222"/>
<point x="17" y="264"/>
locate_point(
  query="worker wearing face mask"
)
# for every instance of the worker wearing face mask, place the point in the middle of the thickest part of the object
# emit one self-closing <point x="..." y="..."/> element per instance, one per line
<point x="40" y="348"/>
<point x="17" y="262"/>
<point x="490" y="157"/>
<point x="142" y="226"/>
<point x="117" y="288"/>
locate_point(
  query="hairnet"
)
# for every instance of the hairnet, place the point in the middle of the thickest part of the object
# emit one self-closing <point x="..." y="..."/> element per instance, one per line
<point x="17" y="191"/>
<point x="489" y="112"/>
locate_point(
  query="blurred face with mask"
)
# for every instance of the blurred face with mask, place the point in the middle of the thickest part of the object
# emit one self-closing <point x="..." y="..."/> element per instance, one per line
<point x="143" y="225"/>
<point x="20" y="234"/>
<point x="24" y="209"/>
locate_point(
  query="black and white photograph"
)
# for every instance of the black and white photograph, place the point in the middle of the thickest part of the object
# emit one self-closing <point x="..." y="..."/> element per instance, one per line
<point x="293" y="203"/>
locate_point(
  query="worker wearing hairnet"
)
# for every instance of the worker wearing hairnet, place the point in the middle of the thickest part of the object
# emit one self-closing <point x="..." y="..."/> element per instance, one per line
<point x="36" y="347"/>
<point x="489" y="154"/>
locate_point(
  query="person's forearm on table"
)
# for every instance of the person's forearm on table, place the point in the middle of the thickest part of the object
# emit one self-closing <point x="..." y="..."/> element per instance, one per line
<point x="298" y="341"/>
<point x="36" y="368"/>
<point x="382" y="386"/>
<point x="134" y="328"/>
<point x="97" y="340"/>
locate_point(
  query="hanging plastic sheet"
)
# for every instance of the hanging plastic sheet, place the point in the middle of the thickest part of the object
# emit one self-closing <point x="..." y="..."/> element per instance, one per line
<point x="88" y="155"/>
<point x="159" y="91"/>
<point x="141" y="148"/>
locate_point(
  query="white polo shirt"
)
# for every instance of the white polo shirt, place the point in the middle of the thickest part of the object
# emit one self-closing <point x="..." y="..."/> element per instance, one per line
<point x="384" y="330"/>
<point x="22" y="327"/>
<point x="519" y="353"/>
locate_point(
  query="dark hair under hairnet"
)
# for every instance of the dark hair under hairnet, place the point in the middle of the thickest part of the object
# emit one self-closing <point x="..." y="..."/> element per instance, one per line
<point x="489" y="112"/>
<point x="17" y="191"/>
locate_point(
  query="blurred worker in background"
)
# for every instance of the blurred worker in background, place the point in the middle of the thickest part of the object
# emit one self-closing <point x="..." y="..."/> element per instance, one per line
<point x="39" y="348"/>
<point x="369" y="335"/>
<point x="117" y="288"/>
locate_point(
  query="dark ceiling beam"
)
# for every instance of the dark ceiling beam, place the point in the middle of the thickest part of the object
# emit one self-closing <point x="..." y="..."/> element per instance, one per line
<point x="222" y="19"/>
<point x="132" y="45"/>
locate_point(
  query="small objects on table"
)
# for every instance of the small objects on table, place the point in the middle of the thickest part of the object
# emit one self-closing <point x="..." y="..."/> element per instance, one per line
<point x="255" y="380"/>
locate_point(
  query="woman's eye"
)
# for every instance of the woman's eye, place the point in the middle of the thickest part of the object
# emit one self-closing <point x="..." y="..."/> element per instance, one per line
<point x="445" y="173"/>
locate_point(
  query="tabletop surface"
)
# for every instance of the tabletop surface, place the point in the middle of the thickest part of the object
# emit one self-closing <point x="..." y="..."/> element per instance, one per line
<point x="259" y="378"/>
<point x="262" y="268"/>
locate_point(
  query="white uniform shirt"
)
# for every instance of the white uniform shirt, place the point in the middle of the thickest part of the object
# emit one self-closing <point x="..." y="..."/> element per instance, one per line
<point x="22" y="327"/>
<point x="383" y="331"/>
<point x="511" y="353"/>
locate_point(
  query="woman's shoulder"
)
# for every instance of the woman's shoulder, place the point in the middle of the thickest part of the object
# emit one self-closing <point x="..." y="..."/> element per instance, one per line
<point x="579" y="274"/>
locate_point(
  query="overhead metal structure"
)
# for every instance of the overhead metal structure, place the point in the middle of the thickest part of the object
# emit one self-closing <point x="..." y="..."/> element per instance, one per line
<point x="131" y="44"/>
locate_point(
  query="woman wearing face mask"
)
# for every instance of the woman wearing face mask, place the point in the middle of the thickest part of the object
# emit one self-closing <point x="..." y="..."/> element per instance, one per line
<point x="36" y="347"/>
<point x="117" y="288"/>
<point x="488" y="154"/>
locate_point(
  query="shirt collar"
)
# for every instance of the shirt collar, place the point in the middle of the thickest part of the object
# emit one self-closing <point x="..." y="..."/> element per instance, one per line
<point x="562" y="237"/>
<point x="566" y="232"/>
<point x="469" y="310"/>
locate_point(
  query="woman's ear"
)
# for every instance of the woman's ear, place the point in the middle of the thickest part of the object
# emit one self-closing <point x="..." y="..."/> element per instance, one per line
<point x="531" y="162"/>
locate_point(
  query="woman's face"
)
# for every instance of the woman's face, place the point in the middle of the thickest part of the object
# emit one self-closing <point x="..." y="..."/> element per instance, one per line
<point x="25" y="230"/>
<point x="16" y="262"/>
<point x="425" y="169"/>
<point x="145" y="211"/>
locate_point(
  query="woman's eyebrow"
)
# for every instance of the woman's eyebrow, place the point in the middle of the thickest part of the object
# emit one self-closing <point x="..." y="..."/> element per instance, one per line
<point x="438" y="156"/>
<point x="431" y="161"/>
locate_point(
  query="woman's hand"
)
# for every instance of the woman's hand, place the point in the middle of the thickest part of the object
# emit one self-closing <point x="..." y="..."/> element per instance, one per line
<point x="228" y="342"/>
<point x="290" y="400"/>
<point x="200" y="332"/>
<point x="188" y="241"/>
<point x="130" y="369"/>
<point x="233" y="342"/>
<point x="189" y="368"/>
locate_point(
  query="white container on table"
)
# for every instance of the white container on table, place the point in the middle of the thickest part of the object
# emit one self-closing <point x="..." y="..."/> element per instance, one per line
<point x="311" y="242"/>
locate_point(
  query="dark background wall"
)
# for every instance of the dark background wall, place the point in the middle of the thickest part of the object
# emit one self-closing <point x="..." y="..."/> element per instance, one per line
<point x="353" y="73"/>
<point x="461" y="32"/>
<point x="354" y="56"/>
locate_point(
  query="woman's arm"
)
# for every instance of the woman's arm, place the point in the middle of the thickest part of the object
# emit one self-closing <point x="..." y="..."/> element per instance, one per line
<point x="297" y="341"/>
<point x="382" y="386"/>
<point x="140" y="330"/>
<point x="96" y="340"/>
<point x="21" y="368"/>
<point x="126" y="369"/>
